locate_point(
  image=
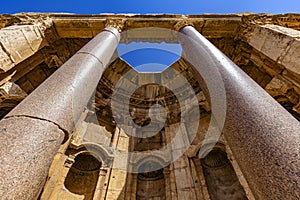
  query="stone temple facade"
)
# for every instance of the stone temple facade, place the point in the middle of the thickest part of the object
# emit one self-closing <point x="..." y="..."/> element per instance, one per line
<point x="61" y="140"/>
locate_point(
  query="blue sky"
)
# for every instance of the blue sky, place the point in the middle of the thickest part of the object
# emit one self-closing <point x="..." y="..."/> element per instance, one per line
<point x="149" y="57"/>
<point x="151" y="6"/>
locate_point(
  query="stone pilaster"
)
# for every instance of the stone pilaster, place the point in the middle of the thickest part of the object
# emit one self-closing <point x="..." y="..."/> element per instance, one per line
<point x="118" y="176"/>
<point x="101" y="187"/>
<point x="185" y="186"/>
<point x="173" y="183"/>
<point x="167" y="182"/>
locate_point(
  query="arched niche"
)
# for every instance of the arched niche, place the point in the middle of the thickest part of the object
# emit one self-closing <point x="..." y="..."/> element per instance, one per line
<point x="98" y="151"/>
<point x="151" y="180"/>
<point x="220" y="177"/>
<point x="83" y="175"/>
<point x="90" y="160"/>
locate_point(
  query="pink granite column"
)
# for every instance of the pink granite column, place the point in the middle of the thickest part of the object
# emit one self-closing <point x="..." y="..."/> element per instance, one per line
<point x="31" y="133"/>
<point x="263" y="136"/>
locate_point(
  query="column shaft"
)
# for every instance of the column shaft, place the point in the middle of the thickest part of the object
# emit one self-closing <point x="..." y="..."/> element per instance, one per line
<point x="33" y="131"/>
<point x="263" y="136"/>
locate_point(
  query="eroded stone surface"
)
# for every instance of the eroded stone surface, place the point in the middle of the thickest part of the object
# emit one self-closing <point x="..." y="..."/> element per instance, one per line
<point x="23" y="170"/>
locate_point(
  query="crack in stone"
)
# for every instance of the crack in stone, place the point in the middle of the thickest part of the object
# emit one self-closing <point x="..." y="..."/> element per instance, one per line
<point x="84" y="52"/>
<point x="7" y="52"/>
<point x="67" y="134"/>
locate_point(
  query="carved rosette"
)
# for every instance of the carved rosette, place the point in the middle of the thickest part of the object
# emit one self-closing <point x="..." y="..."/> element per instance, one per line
<point x="117" y="23"/>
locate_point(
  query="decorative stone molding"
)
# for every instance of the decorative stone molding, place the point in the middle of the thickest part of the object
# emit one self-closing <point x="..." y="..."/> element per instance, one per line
<point x="117" y="23"/>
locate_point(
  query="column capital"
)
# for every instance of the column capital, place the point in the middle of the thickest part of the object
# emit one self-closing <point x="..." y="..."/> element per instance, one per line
<point x="182" y="23"/>
<point x="117" y="23"/>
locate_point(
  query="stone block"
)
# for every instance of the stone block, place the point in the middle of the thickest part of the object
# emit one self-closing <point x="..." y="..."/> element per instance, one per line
<point x="217" y="28"/>
<point x="11" y="90"/>
<point x="5" y="62"/>
<point x="180" y="163"/>
<point x="120" y="161"/>
<point x="73" y="28"/>
<point x="20" y="42"/>
<point x="291" y="60"/>
<point x="97" y="134"/>
<point x="97" y="25"/>
<point x="265" y="64"/>
<point x="117" y="180"/>
<point x="278" y="86"/>
<point x="297" y="108"/>
<point x="271" y="40"/>
<point x="113" y="194"/>
<point x="293" y="78"/>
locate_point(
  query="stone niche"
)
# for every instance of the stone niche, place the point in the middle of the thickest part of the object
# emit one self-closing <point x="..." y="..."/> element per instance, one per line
<point x="83" y="176"/>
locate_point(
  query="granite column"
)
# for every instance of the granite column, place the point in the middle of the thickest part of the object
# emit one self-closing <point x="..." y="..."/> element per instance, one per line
<point x="33" y="131"/>
<point x="262" y="135"/>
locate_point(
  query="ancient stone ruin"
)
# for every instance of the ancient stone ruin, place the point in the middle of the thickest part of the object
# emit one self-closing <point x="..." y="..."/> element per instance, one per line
<point x="78" y="122"/>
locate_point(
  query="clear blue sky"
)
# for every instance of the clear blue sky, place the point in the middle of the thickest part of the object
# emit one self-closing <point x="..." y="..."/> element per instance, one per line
<point x="149" y="57"/>
<point x="151" y="6"/>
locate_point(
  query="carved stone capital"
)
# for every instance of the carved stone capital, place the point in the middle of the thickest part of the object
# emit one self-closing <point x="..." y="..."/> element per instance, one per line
<point x="117" y="23"/>
<point x="182" y="23"/>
